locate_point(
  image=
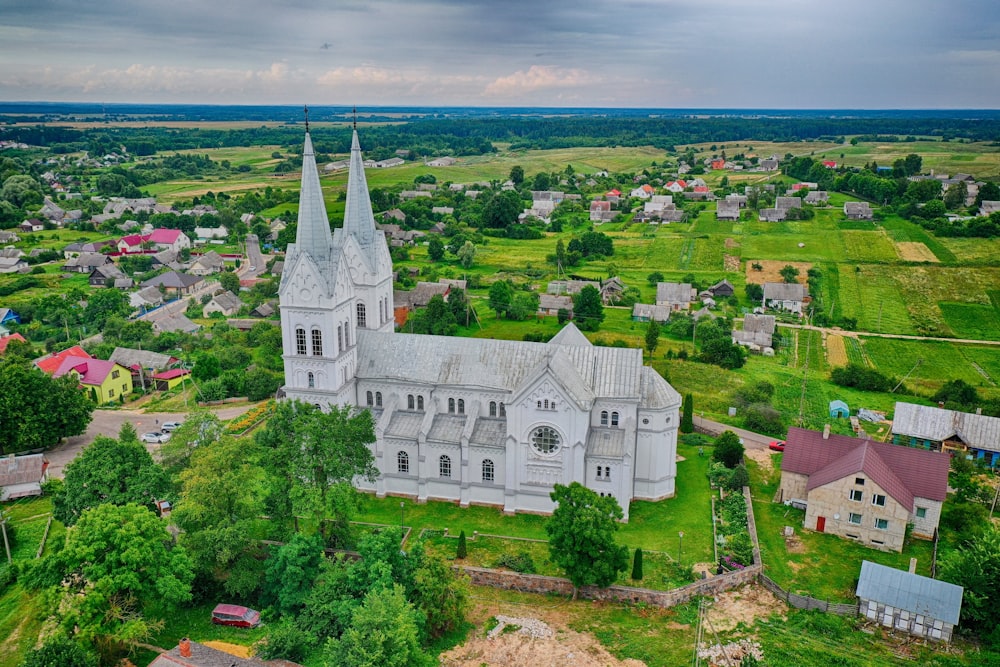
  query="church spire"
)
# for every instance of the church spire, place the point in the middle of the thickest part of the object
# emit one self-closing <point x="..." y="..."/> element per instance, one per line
<point x="359" y="221"/>
<point x="313" y="236"/>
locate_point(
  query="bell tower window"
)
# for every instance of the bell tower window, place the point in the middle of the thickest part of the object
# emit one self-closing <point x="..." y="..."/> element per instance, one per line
<point x="362" y="318"/>
<point x="300" y="341"/>
<point x="317" y="342"/>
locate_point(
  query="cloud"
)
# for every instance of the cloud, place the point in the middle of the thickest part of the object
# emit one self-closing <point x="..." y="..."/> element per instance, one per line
<point x="539" y="77"/>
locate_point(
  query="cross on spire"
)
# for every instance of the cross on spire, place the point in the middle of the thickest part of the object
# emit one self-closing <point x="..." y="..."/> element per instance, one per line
<point x="355" y="116"/>
<point x="306" y="111"/>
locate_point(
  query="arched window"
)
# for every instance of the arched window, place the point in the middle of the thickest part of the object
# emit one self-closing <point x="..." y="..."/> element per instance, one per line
<point x="403" y="463"/>
<point x="461" y="406"/>
<point x="493" y="408"/>
<point x="300" y="341"/>
<point x="607" y="473"/>
<point x="420" y="402"/>
<point x="409" y="402"/>
<point x="317" y="341"/>
<point x="378" y="399"/>
<point x="451" y="405"/>
<point x="347" y="334"/>
<point x="487" y="470"/>
<point x="340" y="338"/>
<point x="444" y="466"/>
<point x="370" y="399"/>
<point x="604" y="417"/>
<point x="362" y="318"/>
<point x="539" y="405"/>
<point x="614" y="419"/>
<point x="503" y="410"/>
<point x="545" y="440"/>
<point x="311" y="380"/>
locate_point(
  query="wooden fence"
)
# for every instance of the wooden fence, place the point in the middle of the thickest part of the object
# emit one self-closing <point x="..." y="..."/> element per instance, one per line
<point x="806" y="602"/>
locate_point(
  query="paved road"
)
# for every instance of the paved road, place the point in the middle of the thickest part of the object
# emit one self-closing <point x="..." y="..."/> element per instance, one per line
<point x="751" y="440"/>
<point x="109" y="422"/>
<point x="256" y="262"/>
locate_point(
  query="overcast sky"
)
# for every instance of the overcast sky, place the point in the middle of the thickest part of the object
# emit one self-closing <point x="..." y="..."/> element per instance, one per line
<point x="797" y="54"/>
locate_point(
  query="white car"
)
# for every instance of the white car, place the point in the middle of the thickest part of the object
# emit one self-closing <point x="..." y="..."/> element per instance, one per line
<point x="171" y="426"/>
<point x="155" y="437"/>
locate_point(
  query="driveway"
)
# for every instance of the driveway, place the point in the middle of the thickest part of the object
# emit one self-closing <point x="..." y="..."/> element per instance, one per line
<point x="109" y="423"/>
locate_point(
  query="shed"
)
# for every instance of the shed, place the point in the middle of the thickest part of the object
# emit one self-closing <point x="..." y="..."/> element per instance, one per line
<point x="839" y="409"/>
<point x="905" y="601"/>
<point x="22" y="476"/>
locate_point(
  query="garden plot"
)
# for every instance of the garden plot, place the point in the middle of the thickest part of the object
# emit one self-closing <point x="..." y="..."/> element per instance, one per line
<point x="771" y="271"/>
<point x="914" y="251"/>
<point x="871" y="296"/>
<point x="870" y="246"/>
<point x="836" y="350"/>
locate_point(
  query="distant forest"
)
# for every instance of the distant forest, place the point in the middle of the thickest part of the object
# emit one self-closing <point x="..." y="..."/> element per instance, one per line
<point x="472" y="131"/>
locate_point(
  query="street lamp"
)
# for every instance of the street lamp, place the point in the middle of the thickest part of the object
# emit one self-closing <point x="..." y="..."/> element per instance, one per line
<point x="680" y="544"/>
<point x="401" y="533"/>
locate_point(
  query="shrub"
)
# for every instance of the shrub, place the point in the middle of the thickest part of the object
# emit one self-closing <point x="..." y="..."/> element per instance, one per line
<point x="462" y="550"/>
<point x="637" y="565"/>
<point x="860" y="377"/>
<point x="687" y="420"/>
<point x="728" y="449"/>
<point x="284" y="641"/>
<point x="762" y="418"/>
<point x="740" y="548"/>
<point x="520" y="562"/>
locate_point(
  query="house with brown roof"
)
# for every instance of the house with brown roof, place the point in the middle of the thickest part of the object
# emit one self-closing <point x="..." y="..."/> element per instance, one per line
<point x="551" y="304"/>
<point x="861" y="489"/>
<point x="22" y="476"/>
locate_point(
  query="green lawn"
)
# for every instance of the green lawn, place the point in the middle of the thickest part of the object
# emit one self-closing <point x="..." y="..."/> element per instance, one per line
<point x="972" y="320"/>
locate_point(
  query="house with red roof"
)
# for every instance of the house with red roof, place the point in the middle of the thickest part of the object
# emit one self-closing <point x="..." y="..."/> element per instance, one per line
<point x="863" y="490"/>
<point x="644" y="191"/>
<point x="7" y="340"/>
<point x="829" y="164"/>
<point x="718" y="163"/>
<point x="131" y="243"/>
<point x="169" y="379"/>
<point x="106" y="380"/>
<point x="169" y="239"/>
<point x="50" y="363"/>
<point x="676" y="186"/>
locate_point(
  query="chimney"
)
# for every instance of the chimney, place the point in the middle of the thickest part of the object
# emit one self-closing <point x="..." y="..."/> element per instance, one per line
<point x="979" y="411"/>
<point x="913" y="566"/>
<point x="940" y="404"/>
<point x="826" y="431"/>
<point x="185" y="648"/>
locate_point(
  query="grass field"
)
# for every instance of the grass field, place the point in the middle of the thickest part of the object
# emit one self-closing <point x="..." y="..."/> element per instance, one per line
<point x="972" y="320"/>
<point x="869" y="294"/>
<point x="937" y="360"/>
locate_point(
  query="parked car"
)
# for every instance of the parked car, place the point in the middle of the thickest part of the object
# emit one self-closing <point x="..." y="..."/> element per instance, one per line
<point x="777" y="445"/>
<point x="235" y="615"/>
<point x="155" y="437"/>
<point x="171" y="426"/>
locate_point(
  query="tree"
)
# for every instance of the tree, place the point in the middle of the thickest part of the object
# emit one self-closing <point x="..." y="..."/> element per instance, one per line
<point x="500" y="297"/>
<point x="60" y="651"/>
<point x="383" y="632"/>
<point x="957" y="391"/>
<point x="516" y="175"/>
<point x="912" y="164"/>
<point x="462" y="550"/>
<point x="111" y="471"/>
<point x="501" y="210"/>
<point x="976" y="567"/>
<point x="652" y="336"/>
<point x="687" y="420"/>
<point x="789" y="273"/>
<point x="955" y="196"/>
<point x="728" y="449"/>
<point x="467" y="254"/>
<point x="637" y="565"/>
<point x="988" y="191"/>
<point x="117" y="570"/>
<point x="21" y="190"/>
<point x="230" y="281"/>
<point x="105" y="303"/>
<point x="435" y="249"/>
<point x="588" y="310"/>
<point x="581" y="534"/>
<point x="206" y="367"/>
<point x="45" y="409"/>
<point x="439" y="592"/>
<point x="754" y="292"/>
<point x="654" y="278"/>
<point x="291" y="571"/>
<point x="436" y="318"/>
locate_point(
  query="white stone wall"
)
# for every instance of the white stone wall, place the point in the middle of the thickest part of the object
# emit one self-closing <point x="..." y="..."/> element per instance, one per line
<point x="919" y="625"/>
<point x="925" y="527"/>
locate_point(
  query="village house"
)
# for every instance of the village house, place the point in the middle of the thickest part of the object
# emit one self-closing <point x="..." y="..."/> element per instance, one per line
<point x="723" y="288"/>
<point x="988" y="207"/>
<point x="857" y="210"/>
<point x="76" y="249"/>
<point x="105" y="381"/>
<point x="727" y="210"/>
<point x="816" y="197"/>
<point x="7" y="236"/>
<point x="788" y="202"/>
<point x="109" y="275"/>
<point x="208" y="233"/>
<point x="441" y="162"/>
<point x="864" y="490"/>
<point x="829" y="164"/>
<point x="169" y="379"/>
<point x="937" y="429"/>
<point x="168" y="322"/>
<point x="784" y="296"/>
<point x="145" y="298"/>
<point x="757" y="332"/>
<point x="907" y="601"/>
<point x="570" y="286"/>
<point x="551" y="304"/>
<point x="85" y="262"/>
<point x="8" y="338"/>
<point x="32" y="225"/>
<point x="677" y="296"/>
<point x="174" y="283"/>
<point x="773" y="214"/>
<point x="208" y="264"/>
<point x="13" y="265"/>
<point x="192" y="654"/>
<point x="22" y="476"/>
<point x="421" y="295"/>
<point x="226" y="303"/>
<point x="740" y="200"/>
<point x="768" y="164"/>
<point x="600" y="211"/>
<point x="169" y="239"/>
<point x="644" y="312"/>
<point x="644" y="191"/>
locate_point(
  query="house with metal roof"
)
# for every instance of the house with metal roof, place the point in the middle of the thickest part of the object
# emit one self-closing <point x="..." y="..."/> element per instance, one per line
<point x="947" y="430"/>
<point x="784" y="296"/>
<point x="22" y="476"/>
<point x="907" y="601"/>
<point x="678" y="296"/>
<point x="468" y="420"/>
<point x="863" y="490"/>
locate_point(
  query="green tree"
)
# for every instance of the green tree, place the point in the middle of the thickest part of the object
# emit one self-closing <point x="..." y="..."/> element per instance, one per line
<point x="637" y="565"/>
<point x="440" y="593"/>
<point x="206" y="367"/>
<point x="501" y="210"/>
<point x="201" y="428"/>
<point x="652" y="336"/>
<point x="654" y="278"/>
<point x="435" y="319"/>
<point x="111" y="471"/>
<point x="291" y="571"/>
<point x="789" y="273"/>
<point x="728" y="449"/>
<point x="45" y="409"/>
<point x="957" y="391"/>
<point x="500" y="296"/>
<point x="687" y="419"/>
<point x="383" y="631"/>
<point x="516" y="175"/>
<point x="912" y="164"/>
<point x="955" y="196"/>
<point x="988" y="191"/>
<point x="21" y="190"/>
<point x="467" y="254"/>
<point x="435" y="249"/>
<point x="976" y="567"/>
<point x="60" y="651"/>
<point x="118" y="570"/>
<point x="230" y="281"/>
<point x="462" y="550"/>
<point x="105" y="303"/>
<point x="588" y="310"/>
<point x="581" y="534"/>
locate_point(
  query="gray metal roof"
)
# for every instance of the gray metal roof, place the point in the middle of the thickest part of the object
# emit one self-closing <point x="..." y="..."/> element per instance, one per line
<point x="447" y="428"/>
<point x="784" y="292"/>
<point x="674" y="292"/>
<point x="404" y="424"/>
<point x="657" y="392"/>
<point x="489" y="431"/>
<point x="938" y="424"/>
<point x="912" y="592"/>
<point x="651" y="311"/>
<point x="758" y="323"/>
<point x="129" y="357"/>
<point x="609" y="442"/>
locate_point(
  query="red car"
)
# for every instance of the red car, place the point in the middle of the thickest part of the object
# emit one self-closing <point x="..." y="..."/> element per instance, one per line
<point x="777" y="445"/>
<point x="236" y="616"/>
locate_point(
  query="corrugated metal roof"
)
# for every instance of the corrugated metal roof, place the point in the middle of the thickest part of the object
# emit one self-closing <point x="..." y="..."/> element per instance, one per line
<point x="489" y="432"/>
<point x="609" y="442"/>
<point x="784" y="291"/>
<point x="657" y="392"/>
<point x="447" y="428"/>
<point x="674" y="292"/>
<point x="912" y="592"/>
<point x="22" y="469"/>
<point x="404" y="424"/>
<point x="938" y="424"/>
<point x="758" y="323"/>
<point x="863" y="459"/>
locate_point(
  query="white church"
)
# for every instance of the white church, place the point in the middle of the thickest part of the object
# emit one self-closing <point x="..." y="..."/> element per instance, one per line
<point x="471" y="420"/>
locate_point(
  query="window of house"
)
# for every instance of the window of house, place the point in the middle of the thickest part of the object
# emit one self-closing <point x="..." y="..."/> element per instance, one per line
<point x="860" y="481"/>
<point x="604" y="417"/>
<point x="878" y="499"/>
<point x="410" y="403"/>
<point x="921" y="512"/>
<point x="487" y="470"/>
<point x="451" y="405"/>
<point x="378" y="399"/>
<point x="503" y="410"/>
<point x="607" y="473"/>
<point x="614" y="419"/>
<point x="300" y="341"/>
<point x="403" y="463"/>
<point x="124" y="388"/>
<point x="420" y="402"/>
<point x="111" y="393"/>
<point x="444" y="466"/>
<point x="340" y="337"/>
<point x="882" y="524"/>
<point x="370" y="399"/>
<point x="114" y="375"/>
<point x="362" y="317"/>
<point x="857" y="495"/>
<point x="600" y="471"/>
<point x="545" y="440"/>
<point x="493" y="408"/>
<point x="854" y="518"/>
<point x="461" y="406"/>
<point x="311" y="380"/>
<point x="317" y="341"/>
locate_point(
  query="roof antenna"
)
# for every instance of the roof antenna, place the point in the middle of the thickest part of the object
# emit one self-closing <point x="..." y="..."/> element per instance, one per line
<point x="306" y="111"/>
<point x="355" y="117"/>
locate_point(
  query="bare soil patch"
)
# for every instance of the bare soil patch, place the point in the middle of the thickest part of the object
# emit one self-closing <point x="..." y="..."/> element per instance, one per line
<point x="771" y="271"/>
<point x="731" y="243"/>
<point x="731" y="263"/>
<point x="914" y="251"/>
<point x="836" y="351"/>
<point x="744" y="605"/>
<point x="761" y="457"/>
